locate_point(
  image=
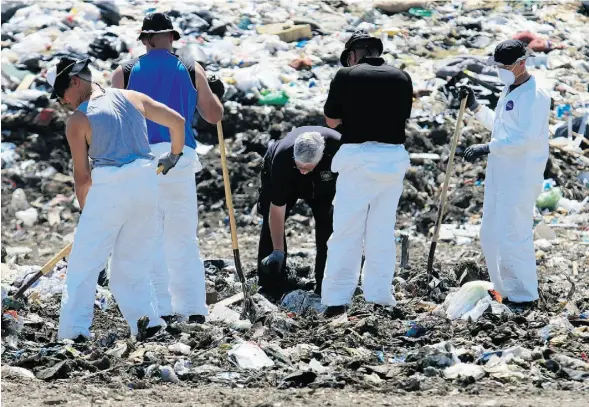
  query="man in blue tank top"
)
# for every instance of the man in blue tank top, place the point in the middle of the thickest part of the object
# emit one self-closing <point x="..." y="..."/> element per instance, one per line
<point x="118" y="194"/>
<point x="178" y="275"/>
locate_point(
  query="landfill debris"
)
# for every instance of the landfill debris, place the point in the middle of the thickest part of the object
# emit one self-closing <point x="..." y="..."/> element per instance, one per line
<point x="168" y="374"/>
<point x="470" y="301"/>
<point x="464" y="370"/>
<point x="249" y="356"/>
<point x="180" y="349"/>
<point x="300" y="301"/>
<point x="16" y="372"/>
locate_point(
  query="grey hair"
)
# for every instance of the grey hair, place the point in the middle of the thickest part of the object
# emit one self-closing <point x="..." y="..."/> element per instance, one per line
<point x="308" y="147"/>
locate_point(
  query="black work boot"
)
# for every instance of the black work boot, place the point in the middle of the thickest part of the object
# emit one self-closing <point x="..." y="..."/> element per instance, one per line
<point x="170" y="318"/>
<point x="196" y="319"/>
<point x="143" y="331"/>
<point x="334" y="311"/>
<point x="521" y="306"/>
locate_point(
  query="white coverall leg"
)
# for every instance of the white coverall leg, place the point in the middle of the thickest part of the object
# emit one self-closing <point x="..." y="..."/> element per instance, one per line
<point x="369" y="185"/>
<point x="119" y="217"/>
<point x="515" y="168"/>
<point x="179" y="276"/>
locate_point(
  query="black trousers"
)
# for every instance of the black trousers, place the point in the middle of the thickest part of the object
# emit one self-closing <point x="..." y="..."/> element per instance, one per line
<point x="274" y="281"/>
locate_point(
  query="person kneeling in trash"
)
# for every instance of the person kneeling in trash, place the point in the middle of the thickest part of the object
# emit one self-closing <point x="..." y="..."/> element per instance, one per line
<point x="117" y="194"/>
<point x="295" y="167"/>
<point x="518" y="153"/>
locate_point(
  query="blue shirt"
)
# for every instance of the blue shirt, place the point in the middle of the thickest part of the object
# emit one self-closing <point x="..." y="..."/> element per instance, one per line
<point x="165" y="78"/>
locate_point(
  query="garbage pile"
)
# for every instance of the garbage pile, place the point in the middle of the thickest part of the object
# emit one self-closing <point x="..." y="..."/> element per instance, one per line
<point x="411" y="347"/>
<point x="276" y="60"/>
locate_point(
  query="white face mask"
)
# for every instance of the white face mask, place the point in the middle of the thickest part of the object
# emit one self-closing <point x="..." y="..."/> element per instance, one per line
<point x="506" y="76"/>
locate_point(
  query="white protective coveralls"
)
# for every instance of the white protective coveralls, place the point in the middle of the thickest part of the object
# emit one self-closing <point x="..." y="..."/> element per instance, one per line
<point x="513" y="181"/>
<point x="113" y="221"/>
<point x="368" y="189"/>
<point x="178" y="275"/>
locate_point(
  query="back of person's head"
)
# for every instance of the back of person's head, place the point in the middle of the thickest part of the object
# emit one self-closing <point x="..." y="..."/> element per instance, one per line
<point x="308" y="148"/>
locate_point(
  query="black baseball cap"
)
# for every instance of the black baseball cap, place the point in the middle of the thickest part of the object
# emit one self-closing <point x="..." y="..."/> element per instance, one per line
<point x="59" y="76"/>
<point x="509" y="52"/>
<point x="360" y="38"/>
<point x="156" y="23"/>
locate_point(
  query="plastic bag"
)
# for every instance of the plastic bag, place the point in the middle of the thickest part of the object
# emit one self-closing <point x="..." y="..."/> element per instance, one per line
<point x="466" y="299"/>
<point x="549" y="199"/>
<point x="299" y="301"/>
<point x="249" y="356"/>
<point x="557" y="326"/>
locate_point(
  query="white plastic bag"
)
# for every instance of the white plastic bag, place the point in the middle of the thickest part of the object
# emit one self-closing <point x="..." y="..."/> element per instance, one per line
<point x="466" y="299"/>
<point x="248" y="355"/>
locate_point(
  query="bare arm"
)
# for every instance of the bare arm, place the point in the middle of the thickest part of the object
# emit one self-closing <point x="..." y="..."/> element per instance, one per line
<point x="276" y="224"/>
<point x="161" y="114"/>
<point x="209" y="106"/>
<point x="118" y="79"/>
<point x="76" y="131"/>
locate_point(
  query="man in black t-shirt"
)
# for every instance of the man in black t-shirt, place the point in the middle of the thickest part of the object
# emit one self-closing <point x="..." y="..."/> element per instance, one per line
<point x="296" y="167"/>
<point x="372" y="100"/>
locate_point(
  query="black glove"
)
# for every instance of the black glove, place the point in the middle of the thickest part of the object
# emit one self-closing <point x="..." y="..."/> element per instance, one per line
<point x="168" y="161"/>
<point x="274" y="261"/>
<point x="475" y="151"/>
<point x="471" y="101"/>
<point x="216" y="85"/>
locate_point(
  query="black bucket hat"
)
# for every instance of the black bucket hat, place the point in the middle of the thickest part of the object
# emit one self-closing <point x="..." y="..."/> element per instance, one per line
<point x="156" y="23"/>
<point x="509" y="52"/>
<point x="360" y="39"/>
<point x="60" y="75"/>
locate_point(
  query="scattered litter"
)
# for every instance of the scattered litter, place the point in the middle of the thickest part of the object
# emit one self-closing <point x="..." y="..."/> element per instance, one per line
<point x="179" y="349"/>
<point x="464" y="370"/>
<point x="300" y="301"/>
<point x="249" y="356"/>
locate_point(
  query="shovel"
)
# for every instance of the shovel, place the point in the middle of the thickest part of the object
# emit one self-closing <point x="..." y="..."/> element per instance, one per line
<point x="248" y="304"/>
<point x="442" y="206"/>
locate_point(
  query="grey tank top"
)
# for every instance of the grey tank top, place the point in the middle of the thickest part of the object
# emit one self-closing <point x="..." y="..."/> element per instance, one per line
<point x="119" y="131"/>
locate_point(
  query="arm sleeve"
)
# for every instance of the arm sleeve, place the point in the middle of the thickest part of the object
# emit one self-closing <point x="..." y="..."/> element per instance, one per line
<point x="486" y="116"/>
<point x="531" y="124"/>
<point x="410" y="96"/>
<point x="279" y="182"/>
<point x="127" y="66"/>
<point x="333" y="105"/>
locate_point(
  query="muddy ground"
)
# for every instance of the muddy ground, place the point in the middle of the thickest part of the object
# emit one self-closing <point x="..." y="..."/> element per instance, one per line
<point x="91" y="395"/>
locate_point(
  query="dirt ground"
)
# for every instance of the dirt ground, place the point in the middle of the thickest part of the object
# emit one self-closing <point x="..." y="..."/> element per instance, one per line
<point x="44" y="394"/>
